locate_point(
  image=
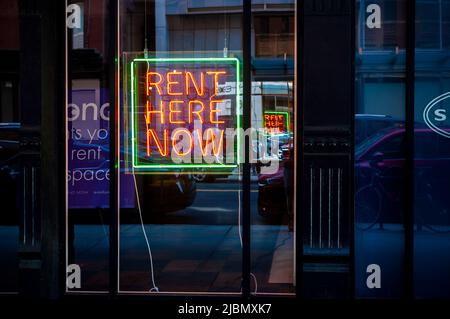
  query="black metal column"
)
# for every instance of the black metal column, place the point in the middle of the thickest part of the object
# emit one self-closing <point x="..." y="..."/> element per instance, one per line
<point x="327" y="124"/>
<point x="298" y="165"/>
<point x="113" y="143"/>
<point x="351" y="184"/>
<point x="247" y="82"/>
<point x="53" y="183"/>
<point x="409" y="150"/>
<point x="41" y="98"/>
<point x="30" y="146"/>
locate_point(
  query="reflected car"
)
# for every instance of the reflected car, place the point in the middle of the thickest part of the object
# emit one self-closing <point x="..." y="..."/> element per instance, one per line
<point x="163" y="193"/>
<point x="369" y="124"/>
<point x="272" y="193"/>
<point x="168" y="193"/>
<point x="271" y="187"/>
<point x="380" y="177"/>
<point x="158" y="193"/>
<point x="272" y="201"/>
<point x="284" y="142"/>
<point x="205" y="175"/>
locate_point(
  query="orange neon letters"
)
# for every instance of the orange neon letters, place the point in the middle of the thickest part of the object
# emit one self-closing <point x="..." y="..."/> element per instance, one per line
<point x="170" y="83"/>
<point x="174" y="111"/>
<point x="156" y="84"/>
<point x="201" y="91"/>
<point x="175" y="93"/>
<point x="152" y="133"/>
<point x="198" y="112"/>
<point x="149" y="112"/>
<point x="213" y="110"/>
<point x="216" y="79"/>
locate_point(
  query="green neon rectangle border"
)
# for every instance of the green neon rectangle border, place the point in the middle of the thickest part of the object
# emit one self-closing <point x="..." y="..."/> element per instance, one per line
<point x="178" y="60"/>
<point x="278" y="112"/>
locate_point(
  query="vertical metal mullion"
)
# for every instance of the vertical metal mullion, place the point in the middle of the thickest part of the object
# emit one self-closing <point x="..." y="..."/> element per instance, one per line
<point x="63" y="153"/>
<point x="299" y="169"/>
<point x="113" y="184"/>
<point x="61" y="92"/>
<point x="246" y="220"/>
<point x="68" y="229"/>
<point x="351" y="174"/>
<point x="409" y="151"/>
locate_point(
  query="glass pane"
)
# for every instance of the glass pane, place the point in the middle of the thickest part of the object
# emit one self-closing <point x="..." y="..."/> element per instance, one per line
<point x="10" y="175"/>
<point x="272" y="202"/>
<point x="88" y="144"/>
<point x="274" y="35"/>
<point x="432" y="155"/>
<point x="379" y="148"/>
<point x="272" y="175"/>
<point x="180" y="209"/>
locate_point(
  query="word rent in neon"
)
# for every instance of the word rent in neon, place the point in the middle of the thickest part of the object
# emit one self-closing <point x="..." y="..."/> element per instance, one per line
<point x="174" y="101"/>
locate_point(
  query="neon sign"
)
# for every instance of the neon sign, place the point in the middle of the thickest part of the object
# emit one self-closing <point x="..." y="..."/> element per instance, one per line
<point x="276" y="122"/>
<point x="178" y="117"/>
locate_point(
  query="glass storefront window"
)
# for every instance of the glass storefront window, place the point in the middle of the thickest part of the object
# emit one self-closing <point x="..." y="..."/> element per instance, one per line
<point x="379" y="149"/>
<point x="88" y="148"/>
<point x="430" y="24"/>
<point x="181" y="229"/>
<point x="179" y="65"/>
<point x="273" y="217"/>
<point x="179" y="224"/>
<point x="389" y="33"/>
<point x="431" y="151"/>
<point x="274" y="36"/>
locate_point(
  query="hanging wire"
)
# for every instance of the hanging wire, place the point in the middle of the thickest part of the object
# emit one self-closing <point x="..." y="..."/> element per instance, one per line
<point x="225" y="45"/>
<point x="145" y="30"/>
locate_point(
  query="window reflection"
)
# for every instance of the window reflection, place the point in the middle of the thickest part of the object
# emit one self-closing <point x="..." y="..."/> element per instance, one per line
<point x="274" y="36"/>
<point x="391" y="33"/>
<point x="431" y="150"/>
<point x="179" y="228"/>
<point x="180" y="232"/>
<point x="432" y="21"/>
<point x="88" y="147"/>
<point x="272" y="206"/>
<point x="273" y="234"/>
<point x="379" y="148"/>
